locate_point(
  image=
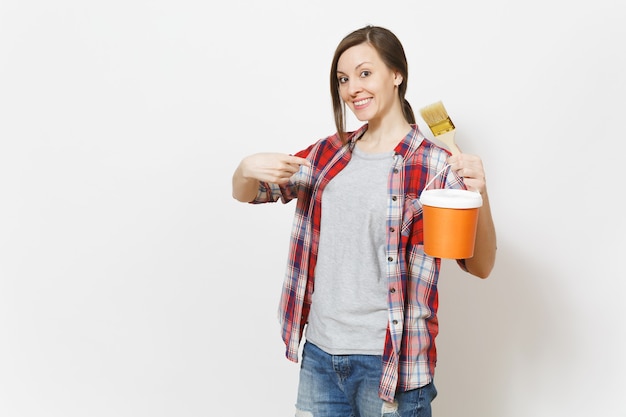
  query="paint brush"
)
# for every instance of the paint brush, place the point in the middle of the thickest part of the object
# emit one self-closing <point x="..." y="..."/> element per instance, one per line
<point x="436" y="116"/>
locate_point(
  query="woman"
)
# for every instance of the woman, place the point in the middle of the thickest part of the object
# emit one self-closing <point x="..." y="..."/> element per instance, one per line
<point x="359" y="289"/>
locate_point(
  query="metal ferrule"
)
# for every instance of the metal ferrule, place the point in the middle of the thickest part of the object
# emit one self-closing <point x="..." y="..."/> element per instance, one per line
<point x="443" y="126"/>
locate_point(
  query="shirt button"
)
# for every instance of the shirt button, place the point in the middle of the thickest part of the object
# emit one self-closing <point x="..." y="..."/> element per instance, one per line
<point x="390" y="259"/>
<point x="395" y="170"/>
<point x="394" y="198"/>
<point x="395" y="322"/>
<point x="393" y="290"/>
<point x="392" y="229"/>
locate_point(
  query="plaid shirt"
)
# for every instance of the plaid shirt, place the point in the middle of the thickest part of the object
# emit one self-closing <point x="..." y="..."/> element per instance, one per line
<point x="409" y="354"/>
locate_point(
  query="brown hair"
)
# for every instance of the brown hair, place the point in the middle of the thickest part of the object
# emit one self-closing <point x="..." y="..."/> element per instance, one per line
<point x="392" y="54"/>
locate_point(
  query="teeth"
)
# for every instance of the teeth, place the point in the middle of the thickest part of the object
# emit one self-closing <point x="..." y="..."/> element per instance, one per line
<point x="361" y="102"/>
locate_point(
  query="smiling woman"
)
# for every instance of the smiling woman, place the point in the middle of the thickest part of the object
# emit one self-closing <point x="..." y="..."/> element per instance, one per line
<point x="362" y="187"/>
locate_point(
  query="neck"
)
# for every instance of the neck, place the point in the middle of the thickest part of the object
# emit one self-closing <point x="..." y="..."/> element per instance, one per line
<point x="379" y="138"/>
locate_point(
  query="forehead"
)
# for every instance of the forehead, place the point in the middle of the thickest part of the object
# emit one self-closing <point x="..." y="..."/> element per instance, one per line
<point x="352" y="57"/>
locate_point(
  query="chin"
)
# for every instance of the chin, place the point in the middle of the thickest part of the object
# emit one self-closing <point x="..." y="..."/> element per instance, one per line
<point x="361" y="118"/>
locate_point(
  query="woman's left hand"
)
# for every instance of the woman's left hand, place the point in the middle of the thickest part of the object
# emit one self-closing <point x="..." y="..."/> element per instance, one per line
<point x="470" y="167"/>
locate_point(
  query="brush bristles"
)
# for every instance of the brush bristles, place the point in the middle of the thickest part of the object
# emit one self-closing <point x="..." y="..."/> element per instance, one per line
<point x="436" y="116"/>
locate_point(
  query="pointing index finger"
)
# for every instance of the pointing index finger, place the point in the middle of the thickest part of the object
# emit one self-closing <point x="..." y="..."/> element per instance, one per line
<point x="298" y="160"/>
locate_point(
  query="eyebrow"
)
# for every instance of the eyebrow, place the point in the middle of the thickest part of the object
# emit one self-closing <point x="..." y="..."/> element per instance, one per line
<point x="357" y="67"/>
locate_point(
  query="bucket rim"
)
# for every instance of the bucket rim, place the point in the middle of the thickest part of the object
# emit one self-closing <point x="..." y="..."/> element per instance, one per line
<point x="451" y="198"/>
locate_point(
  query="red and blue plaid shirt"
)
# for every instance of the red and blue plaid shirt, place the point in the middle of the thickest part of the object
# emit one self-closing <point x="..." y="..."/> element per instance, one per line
<point x="409" y="354"/>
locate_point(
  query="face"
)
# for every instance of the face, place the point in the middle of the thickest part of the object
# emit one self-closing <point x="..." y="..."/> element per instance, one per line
<point x="366" y="84"/>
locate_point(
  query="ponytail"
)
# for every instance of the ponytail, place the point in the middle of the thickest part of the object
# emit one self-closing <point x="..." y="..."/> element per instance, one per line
<point x="407" y="110"/>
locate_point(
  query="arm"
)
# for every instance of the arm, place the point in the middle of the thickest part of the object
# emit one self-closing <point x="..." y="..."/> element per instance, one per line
<point x="470" y="167"/>
<point x="267" y="167"/>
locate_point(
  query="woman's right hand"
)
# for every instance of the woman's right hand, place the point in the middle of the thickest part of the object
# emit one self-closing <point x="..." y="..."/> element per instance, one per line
<point x="271" y="167"/>
<point x="275" y="168"/>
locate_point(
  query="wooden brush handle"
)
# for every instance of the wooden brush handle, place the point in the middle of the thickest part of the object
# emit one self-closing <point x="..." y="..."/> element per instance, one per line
<point x="448" y="139"/>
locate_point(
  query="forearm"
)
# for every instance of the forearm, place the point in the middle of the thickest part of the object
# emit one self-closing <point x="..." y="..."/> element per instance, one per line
<point x="244" y="189"/>
<point x="484" y="257"/>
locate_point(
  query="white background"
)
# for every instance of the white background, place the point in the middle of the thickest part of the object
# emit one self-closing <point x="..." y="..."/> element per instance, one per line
<point x="132" y="284"/>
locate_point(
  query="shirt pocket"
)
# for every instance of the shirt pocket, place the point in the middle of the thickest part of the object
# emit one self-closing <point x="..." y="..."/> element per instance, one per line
<point x="412" y="218"/>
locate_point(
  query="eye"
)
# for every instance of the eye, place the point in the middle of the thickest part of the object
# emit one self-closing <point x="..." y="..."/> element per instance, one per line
<point x="365" y="73"/>
<point x="342" y="79"/>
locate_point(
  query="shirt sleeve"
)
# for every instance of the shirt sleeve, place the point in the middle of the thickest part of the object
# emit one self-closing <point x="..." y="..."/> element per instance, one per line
<point x="271" y="193"/>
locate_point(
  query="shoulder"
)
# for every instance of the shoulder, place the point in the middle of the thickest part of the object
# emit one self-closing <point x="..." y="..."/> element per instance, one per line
<point x="323" y="144"/>
<point x="331" y="144"/>
<point x="418" y="148"/>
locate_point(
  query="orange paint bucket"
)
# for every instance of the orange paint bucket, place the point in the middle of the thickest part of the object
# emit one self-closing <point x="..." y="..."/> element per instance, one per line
<point x="450" y="219"/>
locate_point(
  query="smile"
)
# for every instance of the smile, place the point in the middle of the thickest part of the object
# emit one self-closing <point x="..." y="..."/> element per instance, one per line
<point x="362" y="102"/>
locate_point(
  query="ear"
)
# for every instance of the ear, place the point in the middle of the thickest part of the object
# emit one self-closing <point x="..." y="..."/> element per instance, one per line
<point x="397" y="79"/>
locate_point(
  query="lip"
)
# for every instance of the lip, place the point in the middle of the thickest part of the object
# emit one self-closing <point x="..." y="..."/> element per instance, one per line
<point x="361" y="103"/>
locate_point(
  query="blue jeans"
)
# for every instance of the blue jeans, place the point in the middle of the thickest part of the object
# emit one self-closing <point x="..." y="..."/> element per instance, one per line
<point x="347" y="386"/>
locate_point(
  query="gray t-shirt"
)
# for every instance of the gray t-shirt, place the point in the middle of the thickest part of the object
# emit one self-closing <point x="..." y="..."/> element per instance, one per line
<point x="349" y="311"/>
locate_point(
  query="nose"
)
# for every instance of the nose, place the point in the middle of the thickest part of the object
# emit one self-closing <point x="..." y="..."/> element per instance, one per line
<point x="354" y="87"/>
